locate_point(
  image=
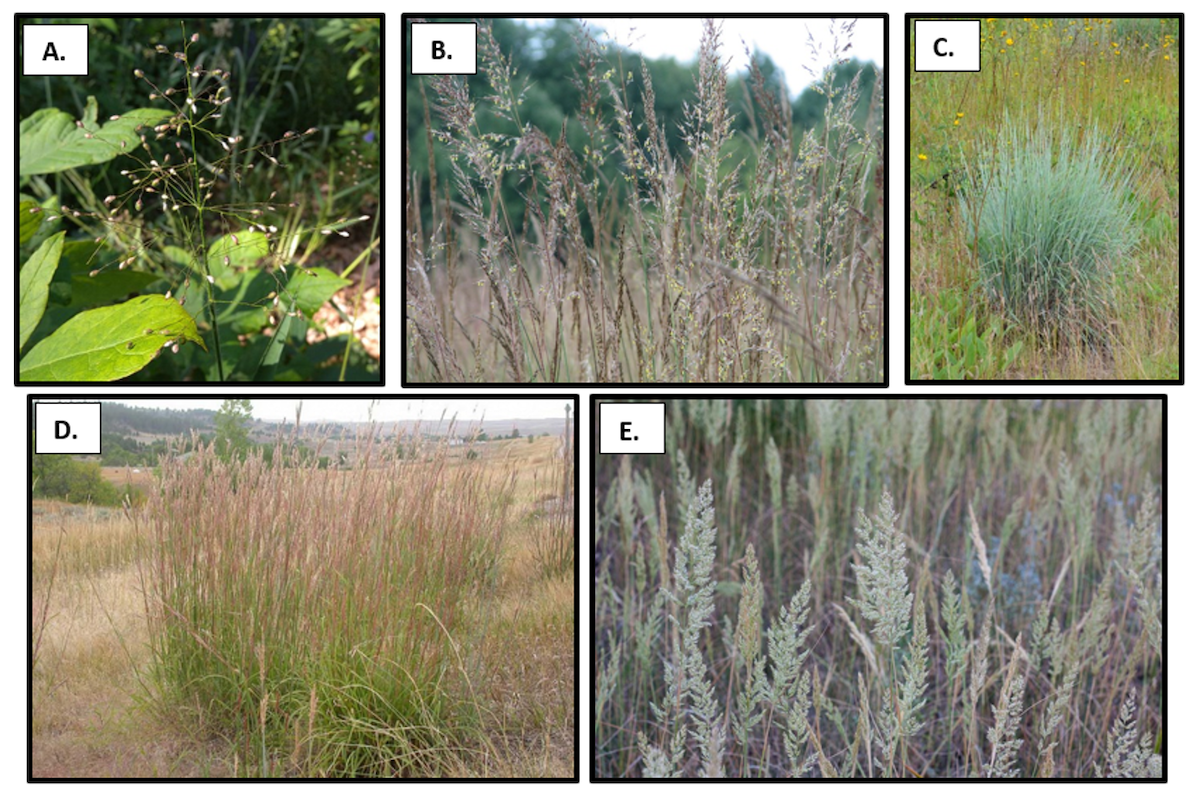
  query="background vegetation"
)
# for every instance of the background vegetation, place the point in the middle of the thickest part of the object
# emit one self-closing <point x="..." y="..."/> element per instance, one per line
<point x="267" y="212"/>
<point x="865" y="588"/>
<point x="1113" y="82"/>
<point x="576" y="213"/>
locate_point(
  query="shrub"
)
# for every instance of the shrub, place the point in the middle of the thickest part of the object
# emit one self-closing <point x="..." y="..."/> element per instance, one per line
<point x="1048" y="217"/>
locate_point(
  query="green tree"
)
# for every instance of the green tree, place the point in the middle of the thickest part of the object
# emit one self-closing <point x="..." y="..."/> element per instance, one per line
<point x="233" y="428"/>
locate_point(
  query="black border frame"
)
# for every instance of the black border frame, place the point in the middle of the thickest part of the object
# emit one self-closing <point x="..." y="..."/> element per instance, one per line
<point x="33" y="399"/>
<point x="405" y="18"/>
<point x="909" y="71"/>
<point x="21" y="18"/>
<point x="594" y="420"/>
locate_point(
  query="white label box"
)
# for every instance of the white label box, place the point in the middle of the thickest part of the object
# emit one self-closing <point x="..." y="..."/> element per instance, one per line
<point x="632" y="427"/>
<point x="950" y="45"/>
<point x="444" y="48"/>
<point x="67" y="428"/>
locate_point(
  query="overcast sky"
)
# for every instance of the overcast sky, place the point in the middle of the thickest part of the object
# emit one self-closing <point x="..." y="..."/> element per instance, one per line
<point x="785" y="40"/>
<point x="387" y="410"/>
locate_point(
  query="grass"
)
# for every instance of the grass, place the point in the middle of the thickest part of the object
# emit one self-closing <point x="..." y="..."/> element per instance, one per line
<point x="1050" y="251"/>
<point x="278" y="620"/>
<point x="965" y="588"/>
<point x="646" y="254"/>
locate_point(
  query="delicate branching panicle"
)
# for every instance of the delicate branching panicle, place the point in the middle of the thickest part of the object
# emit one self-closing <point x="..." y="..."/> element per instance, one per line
<point x="1052" y="718"/>
<point x="916" y="674"/>
<point x="1126" y="756"/>
<point x="749" y="627"/>
<point x="883" y="595"/>
<point x="1004" y="733"/>
<point x="955" y="621"/>
<point x="694" y="587"/>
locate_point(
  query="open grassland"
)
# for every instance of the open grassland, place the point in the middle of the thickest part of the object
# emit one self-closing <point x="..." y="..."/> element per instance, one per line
<point x="1044" y="205"/>
<point x="884" y="588"/>
<point x="614" y="248"/>
<point x="404" y="618"/>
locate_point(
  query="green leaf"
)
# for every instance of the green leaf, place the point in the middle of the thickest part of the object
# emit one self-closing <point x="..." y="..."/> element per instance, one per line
<point x="88" y="291"/>
<point x="312" y="288"/>
<point x="109" y="343"/>
<point x="29" y="219"/>
<point x="52" y="142"/>
<point x="35" y="283"/>
<point x="243" y="250"/>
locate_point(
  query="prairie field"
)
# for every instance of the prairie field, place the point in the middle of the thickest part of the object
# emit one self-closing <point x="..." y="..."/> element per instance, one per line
<point x="1044" y="205"/>
<point x="887" y="589"/>
<point x="577" y="213"/>
<point x="412" y="616"/>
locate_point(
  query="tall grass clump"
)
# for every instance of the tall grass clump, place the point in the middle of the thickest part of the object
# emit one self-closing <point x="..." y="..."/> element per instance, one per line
<point x="1049" y="215"/>
<point x="321" y="614"/>
<point x="643" y="252"/>
<point x="959" y="589"/>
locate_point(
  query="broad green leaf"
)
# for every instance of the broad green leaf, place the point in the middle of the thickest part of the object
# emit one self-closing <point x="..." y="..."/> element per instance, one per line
<point x="51" y="141"/>
<point x="109" y="343"/>
<point x="243" y="248"/>
<point x="51" y="223"/>
<point x="312" y="288"/>
<point x="106" y="287"/>
<point x="35" y="283"/>
<point x="29" y="219"/>
<point x="233" y="251"/>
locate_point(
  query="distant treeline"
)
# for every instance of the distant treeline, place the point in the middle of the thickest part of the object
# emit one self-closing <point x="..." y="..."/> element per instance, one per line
<point x="155" y="421"/>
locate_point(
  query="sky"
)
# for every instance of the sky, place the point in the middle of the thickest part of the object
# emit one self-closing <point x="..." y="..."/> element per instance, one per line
<point x="785" y="40"/>
<point x="386" y="410"/>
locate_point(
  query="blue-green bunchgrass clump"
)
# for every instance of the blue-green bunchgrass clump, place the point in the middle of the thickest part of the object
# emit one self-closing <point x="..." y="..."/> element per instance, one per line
<point x="318" y="618"/>
<point x="1049" y="214"/>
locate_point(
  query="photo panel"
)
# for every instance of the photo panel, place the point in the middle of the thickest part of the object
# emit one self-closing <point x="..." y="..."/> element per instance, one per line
<point x="1044" y="171"/>
<point x="200" y="199"/>
<point x="303" y="588"/>
<point x="649" y="199"/>
<point x="863" y="587"/>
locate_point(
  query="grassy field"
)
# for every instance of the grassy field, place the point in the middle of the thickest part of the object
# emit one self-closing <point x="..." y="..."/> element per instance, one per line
<point x="405" y="618"/>
<point x="883" y="588"/>
<point x="1044" y="202"/>
<point x="642" y="252"/>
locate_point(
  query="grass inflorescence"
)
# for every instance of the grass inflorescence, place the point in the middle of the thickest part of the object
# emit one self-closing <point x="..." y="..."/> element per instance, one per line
<point x="319" y="616"/>
<point x="645" y="253"/>
<point x="967" y="589"/>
